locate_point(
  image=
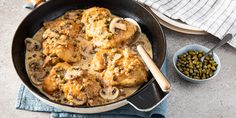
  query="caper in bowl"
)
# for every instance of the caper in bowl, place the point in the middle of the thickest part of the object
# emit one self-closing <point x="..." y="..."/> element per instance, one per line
<point x="187" y="62"/>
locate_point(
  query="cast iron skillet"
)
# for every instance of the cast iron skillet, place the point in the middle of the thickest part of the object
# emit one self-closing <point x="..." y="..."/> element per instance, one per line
<point x="148" y="96"/>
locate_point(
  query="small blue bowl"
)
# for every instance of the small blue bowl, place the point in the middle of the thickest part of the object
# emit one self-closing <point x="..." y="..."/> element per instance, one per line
<point x="195" y="47"/>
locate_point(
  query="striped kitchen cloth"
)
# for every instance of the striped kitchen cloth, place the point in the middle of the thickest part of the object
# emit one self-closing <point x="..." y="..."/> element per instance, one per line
<point x="217" y="17"/>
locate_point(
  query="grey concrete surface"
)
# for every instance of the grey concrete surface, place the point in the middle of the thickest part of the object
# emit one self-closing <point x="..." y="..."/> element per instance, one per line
<point x="214" y="99"/>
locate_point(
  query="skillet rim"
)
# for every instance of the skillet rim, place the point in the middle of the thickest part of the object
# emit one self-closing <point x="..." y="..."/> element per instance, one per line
<point x="73" y="106"/>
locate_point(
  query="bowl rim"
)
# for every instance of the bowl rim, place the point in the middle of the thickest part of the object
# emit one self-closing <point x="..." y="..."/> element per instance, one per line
<point x="215" y="57"/>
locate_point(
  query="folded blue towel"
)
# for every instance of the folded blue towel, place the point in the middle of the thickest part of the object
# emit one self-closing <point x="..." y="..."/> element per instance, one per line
<point x="27" y="101"/>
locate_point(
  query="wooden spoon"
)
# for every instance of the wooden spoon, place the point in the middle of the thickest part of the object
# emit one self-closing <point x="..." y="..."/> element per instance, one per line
<point x="160" y="78"/>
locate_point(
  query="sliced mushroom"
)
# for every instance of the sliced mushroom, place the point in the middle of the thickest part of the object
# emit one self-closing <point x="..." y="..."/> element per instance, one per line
<point x="35" y="65"/>
<point x="120" y="26"/>
<point x="34" y="55"/>
<point x="73" y="73"/>
<point x="37" y="77"/>
<point x="109" y="93"/>
<point x="36" y="71"/>
<point x="114" y="24"/>
<point x="32" y="45"/>
<point x="80" y="101"/>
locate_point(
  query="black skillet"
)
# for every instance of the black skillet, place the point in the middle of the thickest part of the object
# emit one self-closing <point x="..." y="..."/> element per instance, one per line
<point x="145" y="99"/>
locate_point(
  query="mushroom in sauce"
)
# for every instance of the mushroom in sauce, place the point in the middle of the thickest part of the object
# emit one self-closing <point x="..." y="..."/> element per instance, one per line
<point x="32" y="45"/>
<point x="115" y="24"/>
<point x="36" y="71"/>
<point x="109" y="93"/>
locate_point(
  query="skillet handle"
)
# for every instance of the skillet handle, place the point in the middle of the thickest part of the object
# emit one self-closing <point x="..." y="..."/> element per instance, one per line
<point x="148" y="98"/>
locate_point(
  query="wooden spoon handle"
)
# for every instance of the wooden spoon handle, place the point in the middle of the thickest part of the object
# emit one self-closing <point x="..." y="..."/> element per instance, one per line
<point x="160" y="78"/>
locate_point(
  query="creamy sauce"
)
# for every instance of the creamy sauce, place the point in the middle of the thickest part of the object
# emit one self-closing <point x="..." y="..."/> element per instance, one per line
<point x="88" y="52"/>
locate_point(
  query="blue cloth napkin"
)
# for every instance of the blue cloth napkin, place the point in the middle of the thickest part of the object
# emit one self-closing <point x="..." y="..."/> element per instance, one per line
<point x="27" y="101"/>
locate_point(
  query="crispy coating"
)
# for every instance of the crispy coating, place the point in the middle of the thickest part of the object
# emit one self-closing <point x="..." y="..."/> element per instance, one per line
<point x="76" y="91"/>
<point x="63" y="27"/>
<point x="73" y="92"/>
<point x="97" y="21"/>
<point x="120" y="67"/>
<point x="83" y="88"/>
<point x="60" y="40"/>
<point x="56" y="77"/>
<point x="66" y="50"/>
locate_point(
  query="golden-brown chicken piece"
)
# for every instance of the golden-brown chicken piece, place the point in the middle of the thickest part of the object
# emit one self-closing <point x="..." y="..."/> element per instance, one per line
<point x="74" y="15"/>
<point x="120" y="67"/>
<point x="66" y="50"/>
<point x="92" y="88"/>
<point x="60" y="40"/>
<point x="79" y="91"/>
<point x="100" y="60"/>
<point x="94" y="14"/>
<point x="106" y="30"/>
<point x="74" y="93"/>
<point x="63" y="27"/>
<point x="96" y="21"/>
<point x="73" y="83"/>
<point x="56" y="77"/>
<point x="81" y="86"/>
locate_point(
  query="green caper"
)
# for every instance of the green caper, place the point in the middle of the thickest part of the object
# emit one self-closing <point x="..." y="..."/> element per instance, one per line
<point x="196" y="71"/>
<point x="214" y="64"/>
<point x="186" y="72"/>
<point x="209" y="66"/>
<point x="194" y="62"/>
<point x="191" y="71"/>
<point x="191" y="52"/>
<point x="178" y="64"/>
<point x="203" y="77"/>
<point x="198" y="66"/>
<point x="191" y="67"/>
<point x="213" y="68"/>
<point x="199" y="55"/>
<point x="179" y="56"/>
<point x="203" y="70"/>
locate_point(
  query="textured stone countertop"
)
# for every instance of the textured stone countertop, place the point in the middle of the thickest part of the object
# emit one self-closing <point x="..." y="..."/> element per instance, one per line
<point x="213" y="99"/>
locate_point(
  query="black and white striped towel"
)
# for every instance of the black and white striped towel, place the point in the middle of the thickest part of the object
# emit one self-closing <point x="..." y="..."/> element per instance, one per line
<point x="217" y="17"/>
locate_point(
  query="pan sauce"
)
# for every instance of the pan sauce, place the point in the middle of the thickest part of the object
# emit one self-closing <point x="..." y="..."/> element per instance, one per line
<point x="71" y="59"/>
